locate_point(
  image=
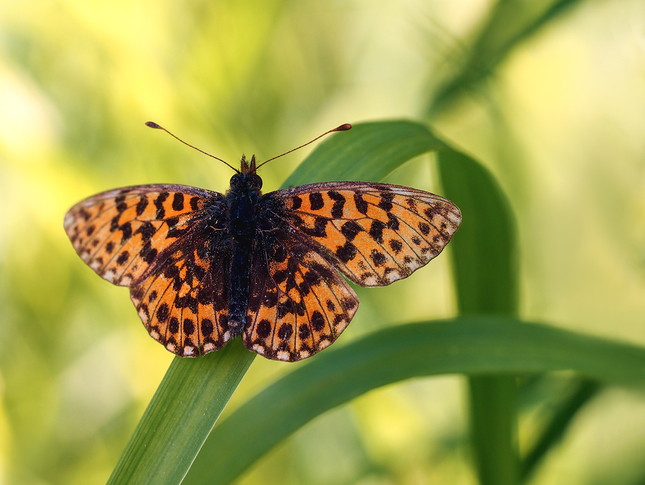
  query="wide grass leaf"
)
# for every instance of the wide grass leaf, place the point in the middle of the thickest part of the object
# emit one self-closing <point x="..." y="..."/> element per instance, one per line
<point x="368" y="152"/>
<point x="483" y="253"/>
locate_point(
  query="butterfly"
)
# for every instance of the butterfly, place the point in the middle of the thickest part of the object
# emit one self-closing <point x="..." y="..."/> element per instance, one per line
<point x="204" y="267"/>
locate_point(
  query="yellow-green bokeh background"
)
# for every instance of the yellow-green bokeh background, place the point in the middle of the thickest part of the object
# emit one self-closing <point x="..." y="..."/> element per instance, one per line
<point x="560" y="122"/>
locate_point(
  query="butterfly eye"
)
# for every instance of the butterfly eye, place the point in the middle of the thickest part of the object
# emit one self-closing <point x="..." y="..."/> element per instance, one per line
<point x="256" y="181"/>
<point x="235" y="180"/>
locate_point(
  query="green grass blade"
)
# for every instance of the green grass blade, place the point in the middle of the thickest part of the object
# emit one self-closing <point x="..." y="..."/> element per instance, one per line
<point x="180" y="416"/>
<point x="493" y="428"/>
<point x="474" y="345"/>
<point x="485" y="271"/>
<point x="483" y="252"/>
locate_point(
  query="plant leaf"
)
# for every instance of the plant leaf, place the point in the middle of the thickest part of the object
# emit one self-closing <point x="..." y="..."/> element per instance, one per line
<point x="510" y="23"/>
<point x="483" y="252"/>
<point x="583" y="390"/>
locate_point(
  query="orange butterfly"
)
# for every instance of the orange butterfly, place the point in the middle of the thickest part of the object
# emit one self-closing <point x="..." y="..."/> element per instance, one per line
<point x="203" y="267"/>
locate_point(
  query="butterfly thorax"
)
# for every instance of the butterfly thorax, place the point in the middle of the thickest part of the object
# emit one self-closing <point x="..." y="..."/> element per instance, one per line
<point x="241" y="199"/>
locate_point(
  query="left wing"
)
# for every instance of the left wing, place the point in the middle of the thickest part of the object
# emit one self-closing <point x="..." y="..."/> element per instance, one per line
<point x="184" y="303"/>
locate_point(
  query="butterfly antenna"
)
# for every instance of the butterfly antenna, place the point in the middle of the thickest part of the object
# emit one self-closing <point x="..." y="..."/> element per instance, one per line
<point x="152" y="124"/>
<point x="344" y="127"/>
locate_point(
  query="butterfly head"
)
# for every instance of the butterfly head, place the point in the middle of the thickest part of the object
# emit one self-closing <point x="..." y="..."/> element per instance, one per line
<point x="247" y="176"/>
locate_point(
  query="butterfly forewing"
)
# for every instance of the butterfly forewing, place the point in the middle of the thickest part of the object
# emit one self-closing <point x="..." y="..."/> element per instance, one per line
<point x="121" y="233"/>
<point x="374" y="233"/>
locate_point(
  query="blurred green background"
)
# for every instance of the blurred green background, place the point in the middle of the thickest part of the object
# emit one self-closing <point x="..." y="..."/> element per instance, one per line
<point x="548" y="95"/>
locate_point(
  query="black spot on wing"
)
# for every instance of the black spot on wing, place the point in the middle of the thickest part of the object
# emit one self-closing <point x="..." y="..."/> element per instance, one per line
<point x="376" y="230"/>
<point x="347" y="252"/>
<point x="206" y="327"/>
<point x="396" y="245"/>
<point x="350" y="230"/>
<point x="141" y="205"/>
<point x="386" y="201"/>
<point x="263" y="328"/>
<point x="316" y="201"/>
<point x="378" y="257"/>
<point x="161" y="198"/>
<point x="126" y="230"/>
<point x="317" y="321"/>
<point x="178" y="201"/>
<point x="122" y="258"/>
<point x="147" y="230"/>
<point x="360" y="203"/>
<point x="339" y="203"/>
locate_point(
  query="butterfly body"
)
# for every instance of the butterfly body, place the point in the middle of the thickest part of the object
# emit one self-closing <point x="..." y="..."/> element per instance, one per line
<point x="203" y="267"/>
<point x="241" y="200"/>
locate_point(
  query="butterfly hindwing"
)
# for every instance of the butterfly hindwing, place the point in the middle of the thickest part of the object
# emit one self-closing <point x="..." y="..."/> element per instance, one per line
<point x="374" y="233"/>
<point x="299" y="304"/>
<point x="184" y="303"/>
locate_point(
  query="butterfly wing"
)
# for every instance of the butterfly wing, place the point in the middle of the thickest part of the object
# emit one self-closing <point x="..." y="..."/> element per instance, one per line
<point x="299" y="304"/>
<point x="160" y="240"/>
<point x="373" y="233"/>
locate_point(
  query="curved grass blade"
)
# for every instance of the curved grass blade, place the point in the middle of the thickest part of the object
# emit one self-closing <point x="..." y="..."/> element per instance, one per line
<point x="483" y="253"/>
<point x="474" y="345"/>
<point x="180" y="416"/>
<point x="583" y="391"/>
